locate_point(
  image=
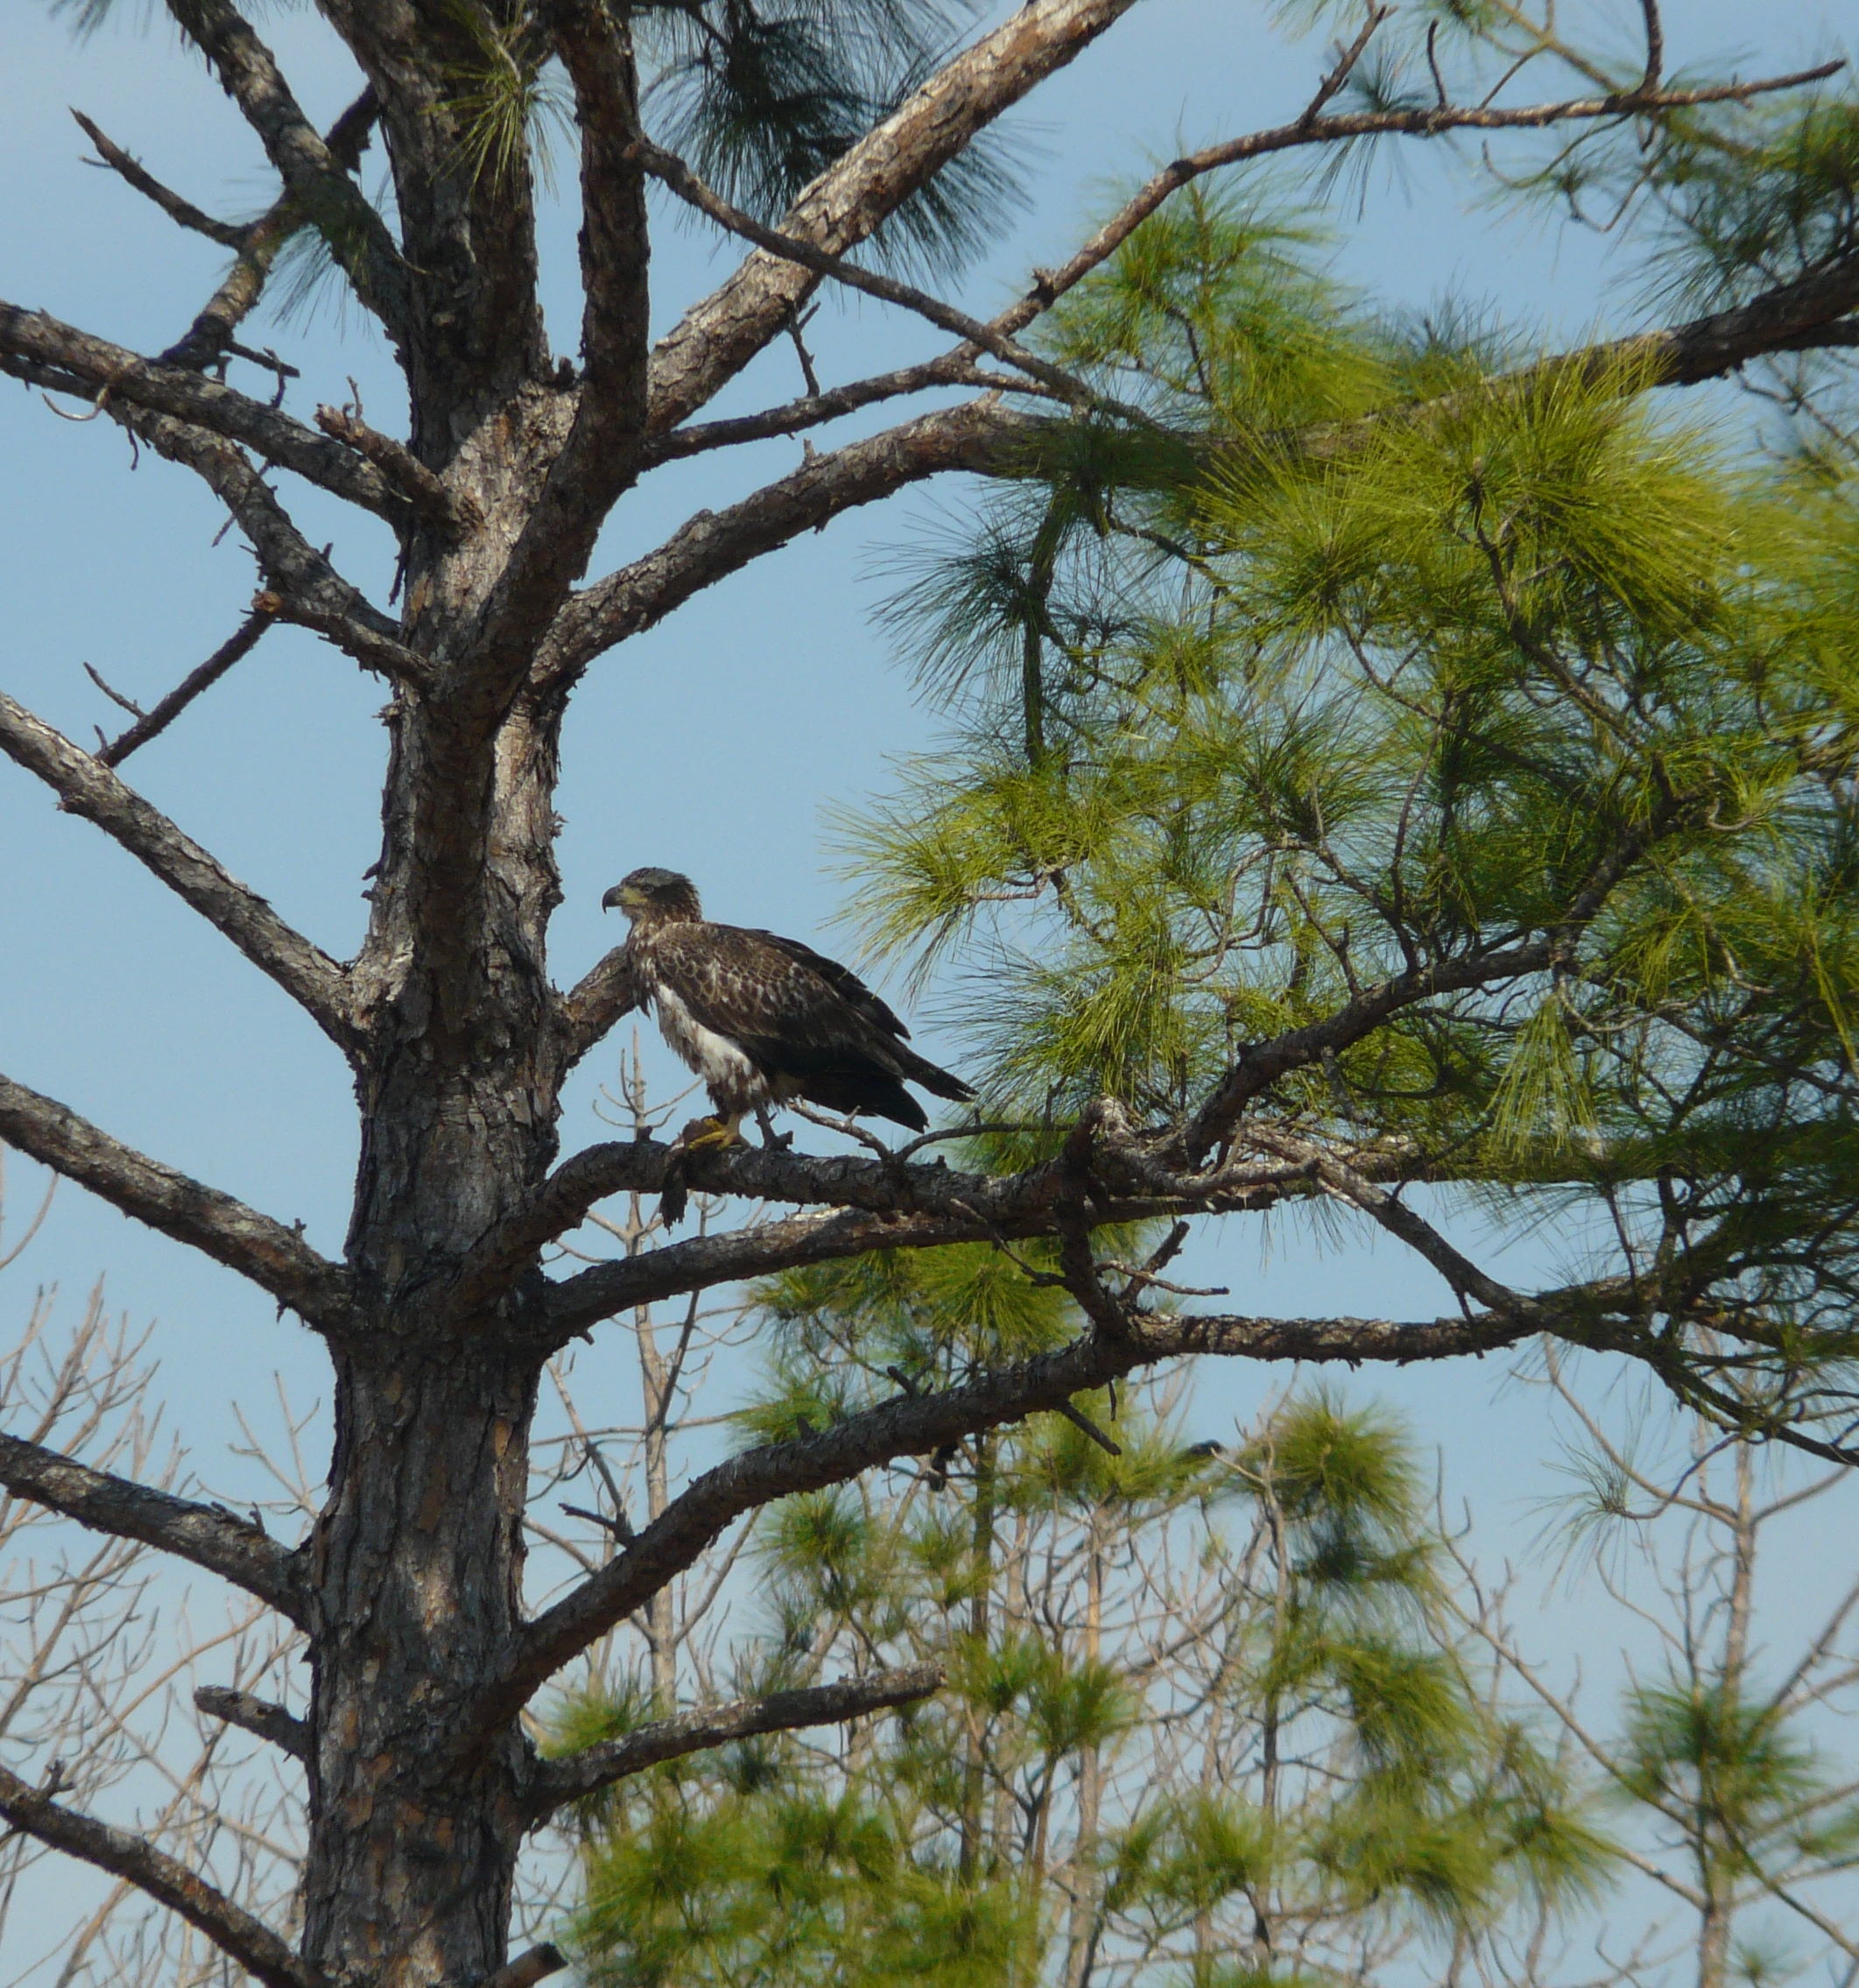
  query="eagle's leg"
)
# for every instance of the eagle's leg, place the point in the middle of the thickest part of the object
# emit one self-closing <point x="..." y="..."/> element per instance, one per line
<point x="719" y="1133"/>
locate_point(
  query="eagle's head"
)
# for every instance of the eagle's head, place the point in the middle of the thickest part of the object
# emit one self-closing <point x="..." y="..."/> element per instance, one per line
<point x="660" y="897"/>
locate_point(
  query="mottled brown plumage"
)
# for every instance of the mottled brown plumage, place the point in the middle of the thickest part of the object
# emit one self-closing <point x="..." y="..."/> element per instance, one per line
<point x="763" y="1020"/>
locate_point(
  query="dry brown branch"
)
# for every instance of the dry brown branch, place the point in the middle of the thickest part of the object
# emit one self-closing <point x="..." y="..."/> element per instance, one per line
<point x="313" y="170"/>
<point x="571" y="1776"/>
<point x="183" y="212"/>
<point x="37" y="347"/>
<point x="233" y="1930"/>
<point x="201" y="1535"/>
<point x="274" y="1258"/>
<point x="256" y="1715"/>
<point x="716" y="339"/>
<point x="151" y="724"/>
<point x="87" y="787"/>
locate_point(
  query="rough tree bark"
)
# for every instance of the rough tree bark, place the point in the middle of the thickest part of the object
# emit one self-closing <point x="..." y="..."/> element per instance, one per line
<point x="439" y="1320"/>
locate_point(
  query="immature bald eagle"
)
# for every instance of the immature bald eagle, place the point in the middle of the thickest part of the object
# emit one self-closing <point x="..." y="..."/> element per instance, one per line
<point x="764" y="1020"/>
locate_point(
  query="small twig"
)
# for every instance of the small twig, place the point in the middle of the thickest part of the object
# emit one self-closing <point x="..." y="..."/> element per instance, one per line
<point x="115" y="696"/>
<point x="1080" y="1421"/>
<point x="620" y="1526"/>
<point x="96" y="407"/>
<point x="267" y="358"/>
<point x="1346" y="60"/>
<point x="796" y="325"/>
<point x="1433" y="63"/>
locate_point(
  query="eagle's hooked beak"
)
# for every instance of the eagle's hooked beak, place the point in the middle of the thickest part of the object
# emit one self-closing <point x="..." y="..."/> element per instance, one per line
<point x="614" y="900"/>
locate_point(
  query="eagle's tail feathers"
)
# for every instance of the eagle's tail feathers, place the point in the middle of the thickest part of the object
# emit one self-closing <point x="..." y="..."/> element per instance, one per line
<point x="938" y="1082"/>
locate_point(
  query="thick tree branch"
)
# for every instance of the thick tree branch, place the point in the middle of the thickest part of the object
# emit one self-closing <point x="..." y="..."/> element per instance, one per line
<point x="977" y="436"/>
<point x="852" y="199"/>
<point x="567" y="1780"/>
<point x="1814" y="310"/>
<point x="274" y="1258"/>
<point x="39" y="347"/>
<point x="232" y="1929"/>
<point x="585" y="1013"/>
<point x="301" y="585"/>
<point x="255" y="1716"/>
<point x="917" y="1425"/>
<point x="601" y="456"/>
<point x="313" y="173"/>
<point x="204" y="1534"/>
<point x="87" y="787"/>
<point x="535" y="1963"/>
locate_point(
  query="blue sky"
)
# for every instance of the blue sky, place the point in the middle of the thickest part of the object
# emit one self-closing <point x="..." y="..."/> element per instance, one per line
<point x="718" y="744"/>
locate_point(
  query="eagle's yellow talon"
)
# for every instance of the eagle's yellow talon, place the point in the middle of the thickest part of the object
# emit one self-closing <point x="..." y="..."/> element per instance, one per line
<point x="707" y="1134"/>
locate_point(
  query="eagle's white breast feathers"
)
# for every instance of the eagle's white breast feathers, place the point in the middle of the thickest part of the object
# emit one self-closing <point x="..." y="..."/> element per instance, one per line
<point x="714" y="1058"/>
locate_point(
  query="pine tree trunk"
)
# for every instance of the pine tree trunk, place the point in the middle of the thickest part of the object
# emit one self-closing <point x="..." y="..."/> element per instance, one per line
<point x="417" y="1558"/>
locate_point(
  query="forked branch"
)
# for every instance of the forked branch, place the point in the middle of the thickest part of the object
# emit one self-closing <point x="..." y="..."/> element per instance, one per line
<point x="312" y="173"/>
<point x="205" y="1535"/>
<point x="87" y="787"/>
<point x="854" y="197"/>
<point x="277" y="1260"/>
<point x="233" y="1930"/>
<point x="37" y="347"/>
<point x="567" y="1780"/>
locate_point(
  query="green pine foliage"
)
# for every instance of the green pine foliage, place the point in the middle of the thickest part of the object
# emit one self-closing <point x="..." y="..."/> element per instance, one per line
<point x="1395" y="653"/>
<point x="1206" y="1718"/>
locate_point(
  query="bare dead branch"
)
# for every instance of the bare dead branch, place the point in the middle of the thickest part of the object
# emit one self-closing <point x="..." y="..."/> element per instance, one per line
<point x="256" y="1715"/>
<point x="426" y="493"/>
<point x="151" y="724"/>
<point x="673" y="173"/>
<point x="183" y="212"/>
<point x="87" y="787"/>
<point x="36" y="346"/>
<point x="208" y="339"/>
<point x="203" y="1535"/>
<point x="810" y="409"/>
<point x="569" y="1778"/>
<point x="274" y="1258"/>
<point x="253" y="1945"/>
<point x="536" y="1964"/>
